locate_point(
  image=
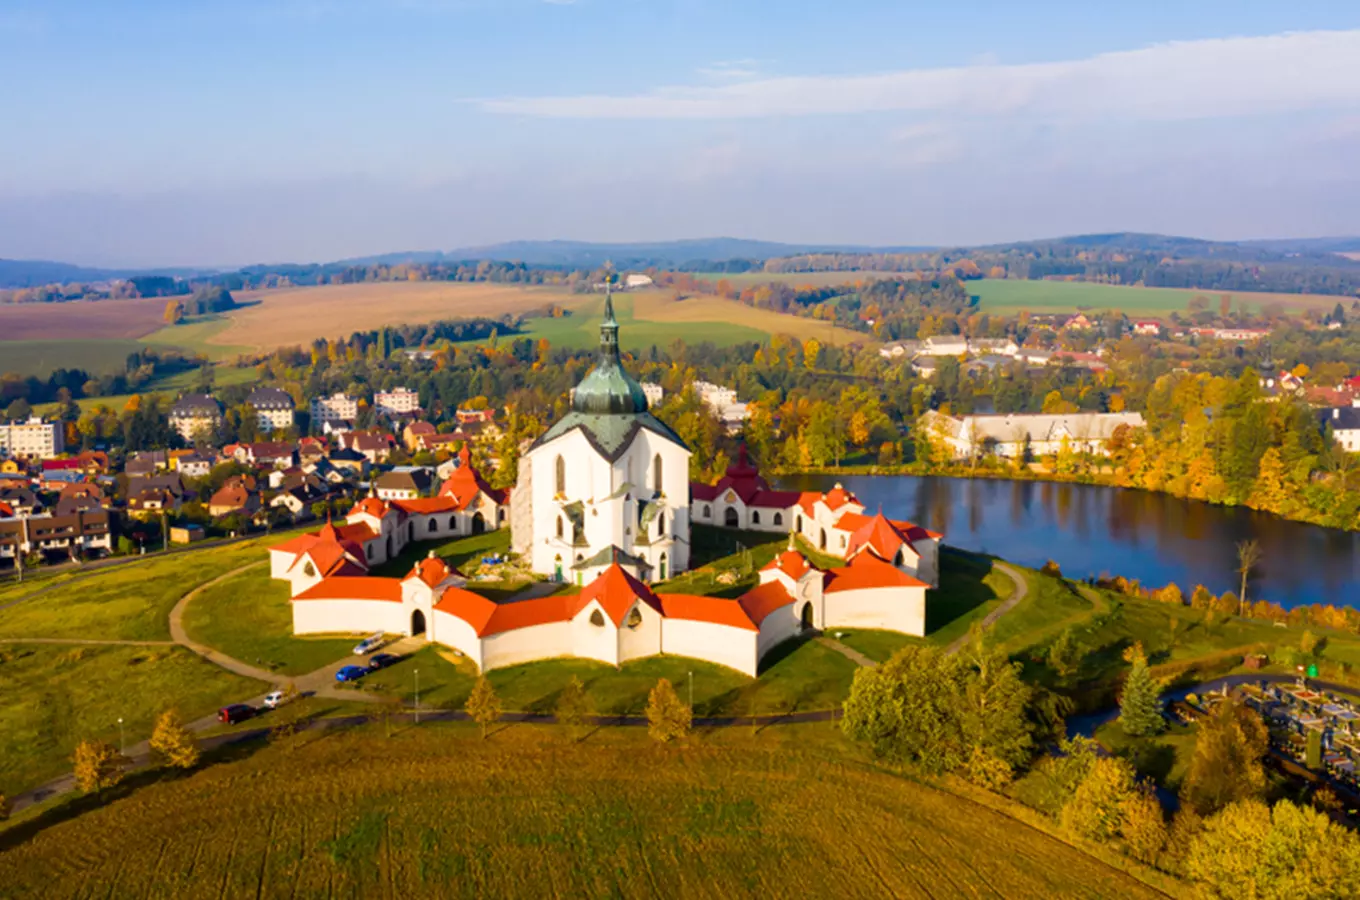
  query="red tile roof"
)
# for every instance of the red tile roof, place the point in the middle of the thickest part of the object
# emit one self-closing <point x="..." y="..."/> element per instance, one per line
<point x="364" y="588"/>
<point x="426" y="505"/>
<point x="852" y="522"/>
<point x="466" y="483"/>
<point x="764" y="599"/>
<point x="834" y="499"/>
<point x="432" y="570"/>
<point x="717" y="610"/>
<point x="743" y="479"/>
<point x="616" y="591"/>
<point x="371" y="506"/>
<point x="791" y="563"/>
<point x="868" y="571"/>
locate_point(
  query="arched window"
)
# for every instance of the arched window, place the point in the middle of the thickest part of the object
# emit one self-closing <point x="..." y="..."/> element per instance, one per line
<point x="799" y="522"/>
<point x="368" y="550"/>
<point x="634" y="617"/>
<point x="434" y="526"/>
<point x="453" y="523"/>
<point x="559" y="526"/>
<point x="779" y="518"/>
<point x="842" y="542"/>
<point x="664" y="569"/>
<point x="661" y="525"/>
<point x="596" y="619"/>
<point x="561" y="476"/>
<point x="755" y="517"/>
<point x="897" y="560"/>
<point x="708" y="511"/>
<point x="656" y="473"/>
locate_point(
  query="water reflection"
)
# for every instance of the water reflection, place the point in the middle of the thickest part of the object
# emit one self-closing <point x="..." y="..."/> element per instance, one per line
<point x="1098" y="530"/>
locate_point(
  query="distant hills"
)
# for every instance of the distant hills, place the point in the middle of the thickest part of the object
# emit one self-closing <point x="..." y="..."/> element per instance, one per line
<point x="721" y="252"/>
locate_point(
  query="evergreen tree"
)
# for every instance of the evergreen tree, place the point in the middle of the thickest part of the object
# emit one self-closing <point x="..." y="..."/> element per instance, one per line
<point x="1140" y="711"/>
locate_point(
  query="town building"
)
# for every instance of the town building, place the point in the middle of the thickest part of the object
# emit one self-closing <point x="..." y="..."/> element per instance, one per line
<point x="273" y="408"/>
<point x="1148" y="327"/>
<point x="1344" y="422"/>
<point x="653" y="392"/>
<point x="195" y="416"/>
<point x="1015" y="435"/>
<point x="636" y="280"/>
<point x="609" y="480"/>
<point x="400" y="401"/>
<point x="32" y="439"/>
<point x="337" y="409"/>
<point x="81" y="533"/>
<point x="404" y="483"/>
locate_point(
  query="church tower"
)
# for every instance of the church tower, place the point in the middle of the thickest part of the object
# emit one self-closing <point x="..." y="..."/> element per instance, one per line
<point x="607" y="483"/>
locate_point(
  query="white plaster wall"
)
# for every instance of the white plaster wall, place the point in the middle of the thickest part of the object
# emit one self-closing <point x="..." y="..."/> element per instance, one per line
<point x="645" y="640"/>
<point x="511" y="648"/>
<point x="594" y="641"/>
<point x="349" y="616"/>
<point x="777" y="627"/>
<point x="451" y="631"/>
<point x="279" y="561"/>
<point x="901" y="609"/>
<point x="722" y="644"/>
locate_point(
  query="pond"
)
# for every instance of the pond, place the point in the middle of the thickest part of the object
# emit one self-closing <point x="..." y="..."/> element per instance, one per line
<point x="1094" y="530"/>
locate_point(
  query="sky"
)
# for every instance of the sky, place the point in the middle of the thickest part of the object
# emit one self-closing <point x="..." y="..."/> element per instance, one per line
<point x="228" y="132"/>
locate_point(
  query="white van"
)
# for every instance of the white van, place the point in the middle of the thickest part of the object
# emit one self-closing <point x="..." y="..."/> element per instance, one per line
<point x="369" y="644"/>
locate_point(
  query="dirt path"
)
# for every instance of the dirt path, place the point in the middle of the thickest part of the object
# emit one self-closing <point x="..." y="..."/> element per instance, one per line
<point x="849" y="653"/>
<point x="79" y="641"/>
<point x="1021" y="589"/>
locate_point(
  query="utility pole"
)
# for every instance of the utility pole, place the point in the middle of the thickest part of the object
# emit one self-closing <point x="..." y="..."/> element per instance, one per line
<point x="122" y="739"/>
<point x="417" y="673"/>
<point x="691" y="692"/>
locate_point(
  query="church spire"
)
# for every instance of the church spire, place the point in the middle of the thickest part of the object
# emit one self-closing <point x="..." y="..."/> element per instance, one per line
<point x="609" y="328"/>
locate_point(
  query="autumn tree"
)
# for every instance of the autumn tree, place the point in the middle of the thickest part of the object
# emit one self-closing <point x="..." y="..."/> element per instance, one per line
<point x="174" y="312"/>
<point x="6" y="807"/>
<point x="1226" y="765"/>
<point x="1096" y="808"/>
<point x="574" y="708"/>
<point x="1248" y="556"/>
<point x="1144" y="826"/>
<point x="172" y="743"/>
<point x="98" y="765"/>
<point x="1140" y="709"/>
<point x="483" y="706"/>
<point x="667" y="718"/>
<point x="1252" y="850"/>
<point x="1064" y="654"/>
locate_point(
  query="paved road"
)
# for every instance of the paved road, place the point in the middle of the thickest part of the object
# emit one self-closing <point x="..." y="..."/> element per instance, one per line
<point x="1018" y="594"/>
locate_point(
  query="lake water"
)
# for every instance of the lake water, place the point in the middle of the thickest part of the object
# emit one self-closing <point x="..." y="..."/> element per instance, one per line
<point x="1091" y="530"/>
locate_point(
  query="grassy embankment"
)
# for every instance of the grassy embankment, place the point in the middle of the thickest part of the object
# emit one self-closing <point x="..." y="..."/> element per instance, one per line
<point x="433" y="811"/>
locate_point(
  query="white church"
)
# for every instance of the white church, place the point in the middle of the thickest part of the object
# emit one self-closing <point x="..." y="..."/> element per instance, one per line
<point x="604" y="501"/>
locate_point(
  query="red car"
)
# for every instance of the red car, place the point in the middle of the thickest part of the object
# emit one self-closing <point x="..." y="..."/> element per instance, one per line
<point x="237" y="712"/>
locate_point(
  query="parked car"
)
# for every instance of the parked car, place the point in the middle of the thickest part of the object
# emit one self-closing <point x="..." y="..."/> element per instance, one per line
<point x="350" y="673"/>
<point x="274" y="699"/>
<point x="368" y="644"/>
<point x="236" y="712"/>
<point x="381" y="661"/>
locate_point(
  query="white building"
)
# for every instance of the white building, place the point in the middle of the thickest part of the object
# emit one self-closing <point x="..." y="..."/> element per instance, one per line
<point x="195" y="414"/>
<point x="637" y="280"/>
<point x="1344" y="421"/>
<point x="944" y="345"/>
<point x="273" y="408"/>
<point x="33" y="439"/>
<point x="333" y="410"/>
<point x="400" y="401"/>
<point x="608" y="482"/>
<point x="653" y="391"/>
<point x="1012" y="435"/>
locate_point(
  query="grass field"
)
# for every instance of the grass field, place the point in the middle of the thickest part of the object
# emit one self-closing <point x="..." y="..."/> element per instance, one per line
<point x="435" y="812"/>
<point x="797" y="279"/>
<point x="167" y="389"/>
<point x="1012" y="296"/>
<point x="55" y="696"/>
<point x="42" y="357"/>
<point x="81" y="319"/>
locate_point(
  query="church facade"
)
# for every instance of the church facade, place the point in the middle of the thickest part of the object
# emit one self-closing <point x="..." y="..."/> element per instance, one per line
<point x="607" y="483"/>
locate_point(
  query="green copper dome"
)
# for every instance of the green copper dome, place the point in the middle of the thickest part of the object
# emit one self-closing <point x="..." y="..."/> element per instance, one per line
<point x="607" y="389"/>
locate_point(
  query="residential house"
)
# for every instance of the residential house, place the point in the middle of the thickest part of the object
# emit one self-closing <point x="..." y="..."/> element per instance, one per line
<point x="146" y="462"/>
<point x="273" y="454"/>
<point x="20" y="499"/>
<point x="237" y="495"/>
<point x="195" y="415"/>
<point x="404" y="483"/>
<point x="374" y="445"/>
<point x="75" y="534"/>
<point x="413" y="432"/>
<point x="351" y="461"/>
<point x="944" y="345"/>
<point x="194" y="465"/>
<point x="1147" y="327"/>
<point x="900" y="350"/>
<point x="1078" y="322"/>
<point x="273" y="408"/>
<point x="653" y="392"/>
<point x="1344" y="422"/>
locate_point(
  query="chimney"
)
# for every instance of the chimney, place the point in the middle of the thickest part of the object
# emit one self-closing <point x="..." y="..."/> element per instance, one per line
<point x="1336" y="413"/>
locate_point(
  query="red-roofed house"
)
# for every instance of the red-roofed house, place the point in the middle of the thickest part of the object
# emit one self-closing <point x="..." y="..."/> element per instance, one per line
<point x="742" y="499"/>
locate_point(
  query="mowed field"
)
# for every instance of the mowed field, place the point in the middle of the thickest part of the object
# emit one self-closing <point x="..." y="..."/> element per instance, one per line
<point x="651" y="318"/>
<point x="797" y="279"/>
<point x="36" y="338"/>
<point x="1005" y="296"/>
<point x="434" y="811"/>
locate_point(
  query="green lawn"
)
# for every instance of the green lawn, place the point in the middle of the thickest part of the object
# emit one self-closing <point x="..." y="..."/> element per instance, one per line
<point x="40" y="358"/>
<point x="1165" y="757"/>
<point x="168" y="388"/>
<point x="249" y="617"/>
<point x="456" y="553"/>
<point x="795" y="676"/>
<point x="1050" y="605"/>
<point x="56" y="696"/>
<point x="194" y="334"/>
<point x="1011" y="296"/>
<point x="130" y="602"/>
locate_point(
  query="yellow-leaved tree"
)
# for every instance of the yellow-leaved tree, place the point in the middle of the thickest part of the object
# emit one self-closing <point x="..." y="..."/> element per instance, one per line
<point x="667" y="718"/>
<point x="172" y="743"/>
<point x="483" y="705"/>
<point x="98" y="765"/>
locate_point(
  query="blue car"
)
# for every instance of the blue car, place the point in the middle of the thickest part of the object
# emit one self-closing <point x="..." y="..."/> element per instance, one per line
<point x="350" y="673"/>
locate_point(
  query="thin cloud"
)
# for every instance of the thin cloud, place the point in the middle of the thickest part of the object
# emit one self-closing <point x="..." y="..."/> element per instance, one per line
<point x="730" y="70"/>
<point x="1178" y="80"/>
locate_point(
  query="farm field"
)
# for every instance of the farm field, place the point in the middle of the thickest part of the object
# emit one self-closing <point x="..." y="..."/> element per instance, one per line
<point x="167" y="388"/>
<point x="435" y="812"/>
<point x="81" y="320"/>
<point x="43" y="357"/>
<point x="797" y="279"/>
<point x="1007" y="296"/>
<point x="297" y="316"/>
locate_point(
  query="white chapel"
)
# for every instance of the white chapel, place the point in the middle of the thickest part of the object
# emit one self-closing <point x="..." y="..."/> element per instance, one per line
<point x="608" y="483"/>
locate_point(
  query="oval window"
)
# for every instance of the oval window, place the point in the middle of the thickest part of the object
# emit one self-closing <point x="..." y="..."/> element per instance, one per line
<point x="635" y="618"/>
<point x="597" y="619"/>
<point x="310" y="570"/>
